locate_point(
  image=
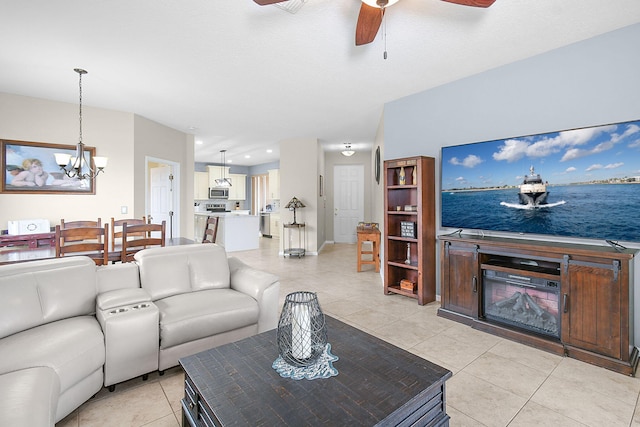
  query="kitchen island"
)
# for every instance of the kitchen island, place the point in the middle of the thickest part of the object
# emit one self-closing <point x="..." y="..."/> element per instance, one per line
<point x="237" y="231"/>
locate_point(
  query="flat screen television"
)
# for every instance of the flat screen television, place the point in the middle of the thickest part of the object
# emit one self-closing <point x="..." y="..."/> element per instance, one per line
<point x="579" y="183"/>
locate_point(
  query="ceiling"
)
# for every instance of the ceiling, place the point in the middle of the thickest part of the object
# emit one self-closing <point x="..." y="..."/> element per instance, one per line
<point x="243" y="77"/>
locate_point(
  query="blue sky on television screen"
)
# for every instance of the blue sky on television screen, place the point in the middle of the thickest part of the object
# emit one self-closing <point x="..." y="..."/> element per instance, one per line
<point x="574" y="156"/>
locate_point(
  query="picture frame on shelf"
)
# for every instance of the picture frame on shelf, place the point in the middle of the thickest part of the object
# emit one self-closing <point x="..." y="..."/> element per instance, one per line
<point x="408" y="229"/>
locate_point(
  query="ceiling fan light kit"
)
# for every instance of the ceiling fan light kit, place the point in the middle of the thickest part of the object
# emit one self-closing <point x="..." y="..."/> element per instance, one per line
<point x="381" y="4"/>
<point x="291" y="6"/>
<point x="474" y="3"/>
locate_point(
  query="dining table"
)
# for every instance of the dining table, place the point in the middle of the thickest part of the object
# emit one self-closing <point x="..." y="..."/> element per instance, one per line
<point x="14" y="254"/>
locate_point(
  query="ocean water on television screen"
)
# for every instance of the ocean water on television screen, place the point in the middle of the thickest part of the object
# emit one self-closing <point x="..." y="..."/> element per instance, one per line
<point x="591" y="177"/>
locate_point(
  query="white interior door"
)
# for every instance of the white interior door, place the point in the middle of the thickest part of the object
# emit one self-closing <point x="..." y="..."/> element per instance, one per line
<point x="348" y="201"/>
<point x="160" y="196"/>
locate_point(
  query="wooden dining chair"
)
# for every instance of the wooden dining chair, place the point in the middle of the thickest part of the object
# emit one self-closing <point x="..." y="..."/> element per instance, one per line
<point x="116" y="229"/>
<point x="211" y="230"/>
<point x="90" y="241"/>
<point x="141" y="236"/>
<point x="78" y="224"/>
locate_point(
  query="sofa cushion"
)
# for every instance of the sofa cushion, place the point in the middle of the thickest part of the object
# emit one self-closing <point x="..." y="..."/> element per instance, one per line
<point x="49" y="290"/>
<point x="175" y="270"/>
<point x="191" y="316"/>
<point x="73" y="347"/>
<point x="29" y="397"/>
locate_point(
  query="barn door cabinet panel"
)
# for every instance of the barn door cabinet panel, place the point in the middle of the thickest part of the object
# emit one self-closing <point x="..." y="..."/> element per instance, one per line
<point x="593" y="295"/>
<point x="460" y="276"/>
<point x="409" y="232"/>
<point x="592" y="285"/>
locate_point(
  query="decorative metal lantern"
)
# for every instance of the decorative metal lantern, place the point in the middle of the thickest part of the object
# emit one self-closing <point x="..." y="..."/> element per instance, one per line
<point x="302" y="332"/>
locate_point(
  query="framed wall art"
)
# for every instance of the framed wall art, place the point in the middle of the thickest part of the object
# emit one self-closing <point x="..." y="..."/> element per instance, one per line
<point x="30" y="168"/>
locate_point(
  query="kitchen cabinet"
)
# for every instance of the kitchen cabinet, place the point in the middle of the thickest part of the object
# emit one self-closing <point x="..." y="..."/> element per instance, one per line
<point x="409" y="232"/>
<point x="238" y="189"/>
<point x="201" y="186"/>
<point x="274" y="184"/>
<point x="217" y="172"/>
<point x="274" y="222"/>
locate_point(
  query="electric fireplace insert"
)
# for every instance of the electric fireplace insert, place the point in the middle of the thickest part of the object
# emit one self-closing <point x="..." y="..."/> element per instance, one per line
<point x="523" y="301"/>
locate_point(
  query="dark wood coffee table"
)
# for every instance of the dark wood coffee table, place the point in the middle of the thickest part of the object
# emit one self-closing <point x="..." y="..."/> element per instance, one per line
<point x="377" y="384"/>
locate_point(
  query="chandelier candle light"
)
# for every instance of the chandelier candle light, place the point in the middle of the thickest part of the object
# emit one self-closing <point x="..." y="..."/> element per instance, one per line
<point x="79" y="166"/>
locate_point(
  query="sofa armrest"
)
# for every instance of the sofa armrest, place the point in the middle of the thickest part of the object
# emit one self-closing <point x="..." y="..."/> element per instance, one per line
<point x="262" y="286"/>
<point x="121" y="297"/>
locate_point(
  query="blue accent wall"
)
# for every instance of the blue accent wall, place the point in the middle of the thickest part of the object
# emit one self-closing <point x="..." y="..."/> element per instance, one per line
<point x="588" y="83"/>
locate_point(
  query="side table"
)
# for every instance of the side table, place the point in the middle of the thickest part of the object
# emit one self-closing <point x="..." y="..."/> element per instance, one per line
<point x="298" y="251"/>
<point x="372" y="235"/>
<point x="32" y="240"/>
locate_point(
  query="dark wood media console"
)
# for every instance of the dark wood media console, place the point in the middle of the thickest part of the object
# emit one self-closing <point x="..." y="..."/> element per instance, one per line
<point x="570" y="299"/>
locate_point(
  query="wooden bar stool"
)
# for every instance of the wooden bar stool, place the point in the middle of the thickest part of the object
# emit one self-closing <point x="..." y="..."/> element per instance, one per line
<point x="368" y="232"/>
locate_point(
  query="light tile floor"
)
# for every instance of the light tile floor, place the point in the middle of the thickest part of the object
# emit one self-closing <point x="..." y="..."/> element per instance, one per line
<point x="496" y="382"/>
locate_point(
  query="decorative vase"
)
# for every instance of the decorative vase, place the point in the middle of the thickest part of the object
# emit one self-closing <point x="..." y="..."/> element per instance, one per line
<point x="402" y="178"/>
<point x="302" y="332"/>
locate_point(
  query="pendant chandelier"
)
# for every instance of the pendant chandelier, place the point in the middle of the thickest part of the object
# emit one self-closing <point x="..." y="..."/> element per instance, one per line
<point x="79" y="166"/>
<point x="223" y="181"/>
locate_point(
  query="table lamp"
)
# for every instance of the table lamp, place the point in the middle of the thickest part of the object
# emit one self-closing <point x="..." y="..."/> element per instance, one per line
<point x="293" y="205"/>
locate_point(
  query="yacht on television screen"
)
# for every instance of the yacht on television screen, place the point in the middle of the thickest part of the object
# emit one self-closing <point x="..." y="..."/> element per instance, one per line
<point x="532" y="190"/>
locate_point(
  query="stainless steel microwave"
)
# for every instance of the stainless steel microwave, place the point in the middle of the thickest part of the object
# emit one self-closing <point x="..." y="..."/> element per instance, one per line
<point x="218" y="193"/>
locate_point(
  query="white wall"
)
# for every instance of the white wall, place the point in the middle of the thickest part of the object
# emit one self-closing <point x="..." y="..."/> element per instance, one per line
<point x="111" y="132"/>
<point x="123" y="137"/>
<point x="299" y="176"/>
<point x="161" y="142"/>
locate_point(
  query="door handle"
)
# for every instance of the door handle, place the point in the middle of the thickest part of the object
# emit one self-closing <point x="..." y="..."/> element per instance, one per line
<point x="475" y="285"/>
<point x="565" y="303"/>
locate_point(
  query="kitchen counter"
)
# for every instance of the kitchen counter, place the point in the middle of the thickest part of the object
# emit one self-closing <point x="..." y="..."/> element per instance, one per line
<point x="237" y="230"/>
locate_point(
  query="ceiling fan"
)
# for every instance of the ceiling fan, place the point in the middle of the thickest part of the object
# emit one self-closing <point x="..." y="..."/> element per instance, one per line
<point x="372" y="12"/>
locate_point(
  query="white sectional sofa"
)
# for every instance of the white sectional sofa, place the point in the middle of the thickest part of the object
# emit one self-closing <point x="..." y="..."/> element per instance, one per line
<point x="68" y="328"/>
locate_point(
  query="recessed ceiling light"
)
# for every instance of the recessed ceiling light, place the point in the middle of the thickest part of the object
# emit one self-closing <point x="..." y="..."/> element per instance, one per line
<point x="269" y="150"/>
<point x="199" y="142"/>
<point x="247" y="156"/>
<point x="229" y="161"/>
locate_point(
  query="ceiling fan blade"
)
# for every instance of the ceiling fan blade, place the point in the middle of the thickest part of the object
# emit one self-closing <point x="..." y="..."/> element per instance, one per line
<point x="369" y="20"/>
<point x="476" y="3"/>
<point x="268" y="2"/>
